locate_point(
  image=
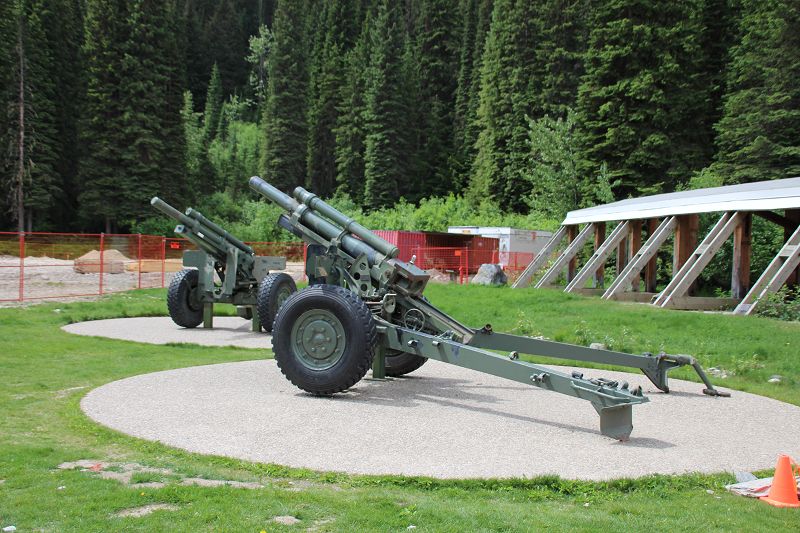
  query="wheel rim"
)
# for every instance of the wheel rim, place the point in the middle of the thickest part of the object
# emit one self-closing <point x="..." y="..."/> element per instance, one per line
<point x="283" y="294"/>
<point x="318" y="339"/>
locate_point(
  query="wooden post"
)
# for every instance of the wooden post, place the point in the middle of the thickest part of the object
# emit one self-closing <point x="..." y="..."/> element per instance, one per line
<point x="685" y="242"/>
<point x="793" y="216"/>
<point x="634" y="245"/>
<point x="572" y="232"/>
<point x="740" y="273"/>
<point x="651" y="270"/>
<point x="599" y="238"/>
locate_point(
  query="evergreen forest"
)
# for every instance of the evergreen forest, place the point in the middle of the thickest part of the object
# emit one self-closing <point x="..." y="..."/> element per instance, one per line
<point x="471" y="111"/>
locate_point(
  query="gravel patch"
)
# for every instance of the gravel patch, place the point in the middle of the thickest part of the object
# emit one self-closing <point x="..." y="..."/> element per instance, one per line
<point x="443" y="421"/>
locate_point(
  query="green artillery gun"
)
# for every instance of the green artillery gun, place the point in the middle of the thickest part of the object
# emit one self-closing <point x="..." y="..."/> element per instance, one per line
<point x="365" y="308"/>
<point x="244" y="277"/>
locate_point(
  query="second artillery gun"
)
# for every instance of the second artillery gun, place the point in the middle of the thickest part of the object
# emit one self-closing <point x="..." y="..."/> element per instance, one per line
<point x="244" y="277"/>
<point x="365" y="309"/>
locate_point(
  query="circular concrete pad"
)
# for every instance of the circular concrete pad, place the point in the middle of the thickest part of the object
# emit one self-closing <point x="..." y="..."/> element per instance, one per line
<point x="227" y="331"/>
<point x="443" y="421"/>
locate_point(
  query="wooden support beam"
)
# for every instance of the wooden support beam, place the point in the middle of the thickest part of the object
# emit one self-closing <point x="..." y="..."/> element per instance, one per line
<point x="651" y="270"/>
<point x="740" y="273"/>
<point x="599" y="239"/>
<point x="572" y="234"/>
<point x="634" y="245"/>
<point x="698" y="260"/>
<point x="685" y="240"/>
<point x="685" y="243"/>
<point x="642" y="257"/>
<point x="704" y="303"/>
<point x="566" y="257"/>
<point x="774" y="276"/>
<point x="599" y="257"/>
<point x="541" y="259"/>
<point x="775" y="218"/>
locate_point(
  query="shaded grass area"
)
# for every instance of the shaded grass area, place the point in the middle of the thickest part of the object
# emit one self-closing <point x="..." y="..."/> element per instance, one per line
<point x="46" y="371"/>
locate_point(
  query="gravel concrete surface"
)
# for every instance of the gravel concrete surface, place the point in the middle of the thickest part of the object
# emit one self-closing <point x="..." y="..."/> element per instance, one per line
<point x="227" y="331"/>
<point x="442" y="421"/>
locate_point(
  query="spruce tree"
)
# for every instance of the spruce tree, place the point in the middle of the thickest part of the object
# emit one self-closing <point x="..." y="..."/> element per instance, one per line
<point x="509" y="85"/>
<point x="641" y="102"/>
<point x="350" y="128"/>
<point x="327" y="78"/>
<point x="64" y="33"/>
<point x="213" y="110"/>
<point x="101" y="194"/>
<point x="436" y="57"/>
<point x="385" y="143"/>
<point x="284" y="120"/>
<point x="46" y="186"/>
<point x="759" y="133"/>
<point x="560" y="52"/>
<point x="133" y="131"/>
<point x="7" y="43"/>
<point x="477" y="17"/>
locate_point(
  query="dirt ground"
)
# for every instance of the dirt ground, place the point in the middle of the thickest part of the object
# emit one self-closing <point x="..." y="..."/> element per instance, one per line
<point x="46" y="279"/>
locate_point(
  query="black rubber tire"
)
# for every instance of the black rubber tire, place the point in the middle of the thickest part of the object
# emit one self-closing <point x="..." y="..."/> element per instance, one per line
<point x="269" y="290"/>
<point x="403" y="363"/>
<point x="182" y="310"/>
<point x="361" y="336"/>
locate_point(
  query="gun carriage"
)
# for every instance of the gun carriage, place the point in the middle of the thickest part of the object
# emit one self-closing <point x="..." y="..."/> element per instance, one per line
<point x="365" y="308"/>
<point x="222" y="270"/>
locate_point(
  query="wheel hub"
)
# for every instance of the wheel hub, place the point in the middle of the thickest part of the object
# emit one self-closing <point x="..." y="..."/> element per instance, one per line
<point x="318" y="339"/>
<point x="282" y="296"/>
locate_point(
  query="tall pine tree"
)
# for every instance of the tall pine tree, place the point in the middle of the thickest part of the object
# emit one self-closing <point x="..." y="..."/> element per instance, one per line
<point x="386" y="142"/>
<point x="133" y="131"/>
<point x="509" y="85"/>
<point x="759" y="133"/>
<point x="327" y="78"/>
<point x="101" y="195"/>
<point x="477" y="15"/>
<point x="436" y="58"/>
<point x="642" y="102"/>
<point x="284" y="120"/>
<point x="350" y="129"/>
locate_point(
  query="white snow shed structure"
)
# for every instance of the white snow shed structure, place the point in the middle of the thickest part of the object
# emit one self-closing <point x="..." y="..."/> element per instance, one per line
<point x="642" y="225"/>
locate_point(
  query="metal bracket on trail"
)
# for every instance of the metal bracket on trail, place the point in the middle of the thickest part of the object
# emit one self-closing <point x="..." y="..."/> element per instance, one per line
<point x="405" y="329"/>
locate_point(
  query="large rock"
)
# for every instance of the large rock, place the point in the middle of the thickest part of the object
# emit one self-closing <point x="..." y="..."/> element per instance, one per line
<point x="489" y="274"/>
<point x="113" y="262"/>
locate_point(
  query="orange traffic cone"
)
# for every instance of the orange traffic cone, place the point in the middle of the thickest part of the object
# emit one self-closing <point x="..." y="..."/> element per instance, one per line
<point x="783" y="492"/>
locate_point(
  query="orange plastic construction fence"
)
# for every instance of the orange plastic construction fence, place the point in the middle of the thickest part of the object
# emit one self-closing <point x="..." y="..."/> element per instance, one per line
<point x="38" y="266"/>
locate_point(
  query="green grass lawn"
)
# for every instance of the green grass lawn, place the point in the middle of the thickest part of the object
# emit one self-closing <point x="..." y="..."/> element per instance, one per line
<point x="44" y="372"/>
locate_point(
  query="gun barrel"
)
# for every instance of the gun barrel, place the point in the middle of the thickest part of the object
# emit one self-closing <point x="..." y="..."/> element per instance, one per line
<point x="315" y="203"/>
<point x="224" y="235"/>
<point x="170" y="211"/>
<point x="325" y="229"/>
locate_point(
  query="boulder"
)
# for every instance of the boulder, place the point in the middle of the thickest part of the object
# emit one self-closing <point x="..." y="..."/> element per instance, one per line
<point x="489" y="274"/>
<point x="113" y="262"/>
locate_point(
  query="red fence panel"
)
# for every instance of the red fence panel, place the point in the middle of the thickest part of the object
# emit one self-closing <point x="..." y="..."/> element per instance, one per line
<point x="39" y="266"/>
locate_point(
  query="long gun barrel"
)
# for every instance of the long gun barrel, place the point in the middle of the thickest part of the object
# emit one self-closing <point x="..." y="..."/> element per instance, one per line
<point x="203" y="232"/>
<point x="312" y="212"/>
